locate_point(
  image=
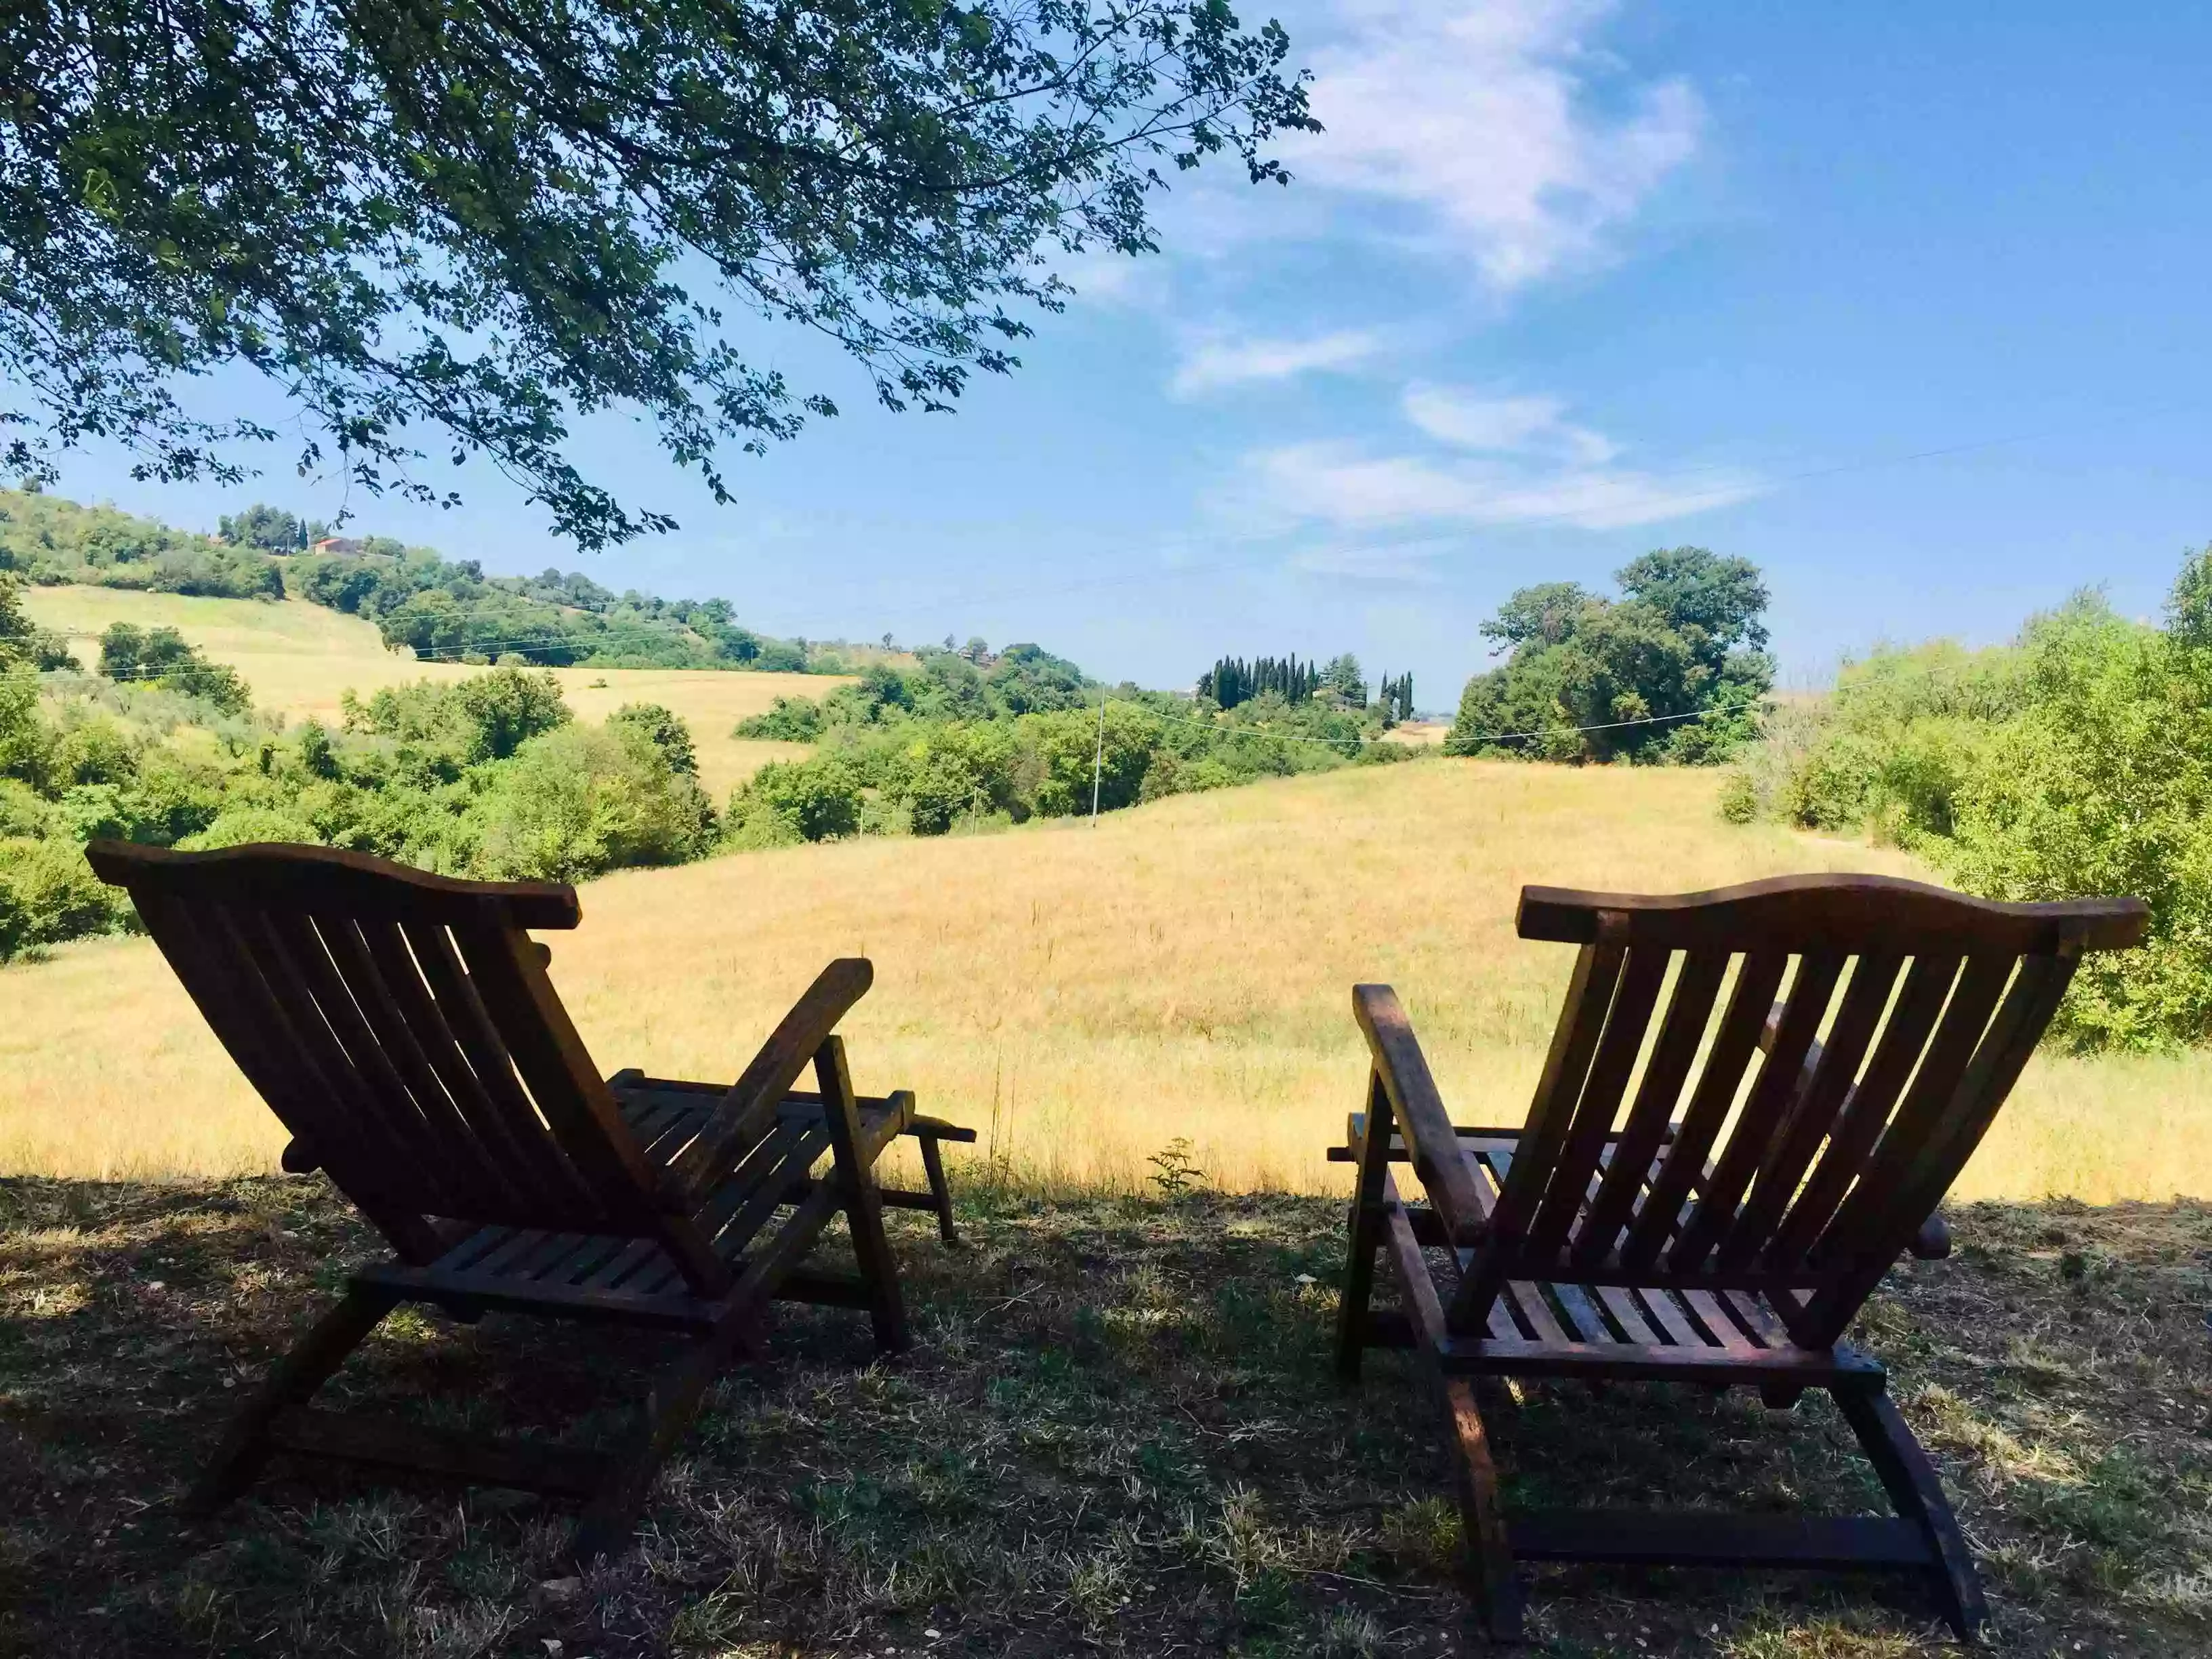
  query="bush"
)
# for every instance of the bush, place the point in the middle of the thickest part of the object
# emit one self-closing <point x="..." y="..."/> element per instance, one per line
<point x="817" y="800"/>
<point x="579" y="800"/>
<point x="2076" y="763"/>
<point x="664" y="729"/>
<point x="486" y="717"/>
<point x="245" y="825"/>
<point x="160" y="656"/>
<point x="787" y="719"/>
<point x="52" y="894"/>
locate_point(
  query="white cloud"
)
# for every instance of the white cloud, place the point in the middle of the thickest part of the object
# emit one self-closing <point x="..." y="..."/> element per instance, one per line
<point x="1512" y="426"/>
<point x="1339" y="487"/>
<point x="1485" y="121"/>
<point x="1219" y="362"/>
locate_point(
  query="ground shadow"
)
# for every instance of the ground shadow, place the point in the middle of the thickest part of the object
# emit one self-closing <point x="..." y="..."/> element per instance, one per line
<point x="1118" y="1433"/>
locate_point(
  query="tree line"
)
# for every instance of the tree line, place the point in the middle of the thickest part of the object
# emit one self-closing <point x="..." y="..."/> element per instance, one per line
<point x="447" y="610"/>
<point x="948" y="746"/>
<point x="1232" y="682"/>
<point x="490" y="776"/>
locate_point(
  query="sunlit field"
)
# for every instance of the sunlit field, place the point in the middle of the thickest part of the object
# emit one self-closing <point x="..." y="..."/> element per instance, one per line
<point x="1084" y="997"/>
<point x="300" y="658"/>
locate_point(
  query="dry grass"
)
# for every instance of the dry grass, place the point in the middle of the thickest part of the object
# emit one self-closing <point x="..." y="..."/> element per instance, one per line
<point x="1086" y="996"/>
<point x="1118" y="1434"/>
<point x="300" y="658"/>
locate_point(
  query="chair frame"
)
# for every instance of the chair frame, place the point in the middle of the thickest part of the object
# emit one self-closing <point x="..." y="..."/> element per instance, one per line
<point x="403" y="1027"/>
<point x="1609" y="1239"/>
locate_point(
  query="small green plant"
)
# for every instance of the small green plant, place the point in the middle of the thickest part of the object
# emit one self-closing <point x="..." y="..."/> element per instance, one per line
<point x="1175" y="1172"/>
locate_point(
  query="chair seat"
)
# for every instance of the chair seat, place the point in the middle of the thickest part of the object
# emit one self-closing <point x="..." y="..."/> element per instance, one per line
<point x="634" y="1280"/>
<point x="1550" y="1327"/>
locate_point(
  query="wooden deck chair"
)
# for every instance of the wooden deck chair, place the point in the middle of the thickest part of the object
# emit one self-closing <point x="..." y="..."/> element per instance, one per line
<point x="403" y="1027"/>
<point x="1679" y="1207"/>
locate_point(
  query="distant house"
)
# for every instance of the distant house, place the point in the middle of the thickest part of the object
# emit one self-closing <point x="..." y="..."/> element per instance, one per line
<point x="340" y="544"/>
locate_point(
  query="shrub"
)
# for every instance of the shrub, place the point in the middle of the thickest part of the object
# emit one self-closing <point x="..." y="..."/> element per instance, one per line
<point x="817" y="800"/>
<point x="501" y="711"/>
<point x="787" y="719"/>
<point x="578" y="800"/>
<point x="52" y="894"/>
<point x="2076" y="763"/>
<point x="483" y="718"/>
<point x="664" y="729"/>
<point x="245" y="824"/>
<point x="1739" y="798"/>
<point x="160" y="656"/>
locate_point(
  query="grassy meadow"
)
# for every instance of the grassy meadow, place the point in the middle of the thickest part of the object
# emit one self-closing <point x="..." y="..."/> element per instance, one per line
<point x="300" y="658"/>
<point x="1085" y="997"/>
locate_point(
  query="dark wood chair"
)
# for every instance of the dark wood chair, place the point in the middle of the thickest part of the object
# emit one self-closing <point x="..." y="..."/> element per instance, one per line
<point x="1643" y="1225"/>
<point x="403" y="1027"/>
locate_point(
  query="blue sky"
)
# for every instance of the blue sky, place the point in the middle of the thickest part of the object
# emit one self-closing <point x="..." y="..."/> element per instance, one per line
<point x="1562" y="281"/>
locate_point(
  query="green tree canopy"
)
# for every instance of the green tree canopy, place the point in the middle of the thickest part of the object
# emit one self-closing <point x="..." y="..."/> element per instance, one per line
<point x="456" y="229"/>
<point x="1661" y="673"/>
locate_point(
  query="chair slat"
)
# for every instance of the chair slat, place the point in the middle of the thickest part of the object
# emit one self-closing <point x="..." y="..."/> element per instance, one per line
<point x="502" y="1191"/>
<point x="1681" y="1030"/>
<point x="1960" y="1122"/>
<point x="1566" y="1193"/>
<point x="1771" y="1096"/>
<point x="386" y="1158"/>
<point x="552" y="1062"/>
<point x="1575" y="1304"/>
<point x="496" y="1102"/>
<point x="1566" y="1065"/>
<point x="1622" y="1306"/>
<point x="1528" y="1298"/>
<point x="449" y="1185"/>
<point x="1865" y="1108"/>
<point x="230" y="993"/>
<point x="2037" y="991"/>
<point x="1662" y="1309"/>
<point x="1705" y="1307"/>
<point x="1684" y="1160"/>
<point x="1860" y="1218"/>
<point x="1806" y="1122"/>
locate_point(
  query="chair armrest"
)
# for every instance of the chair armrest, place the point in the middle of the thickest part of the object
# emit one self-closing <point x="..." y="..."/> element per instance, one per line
<point x="1446" y="1170"/>
<point x="744" y="1112"/>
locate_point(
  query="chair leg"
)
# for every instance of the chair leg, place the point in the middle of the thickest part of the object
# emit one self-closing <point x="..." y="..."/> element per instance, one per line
<point x="1917" y="1493"/>
<point x="1364" y="1229"/>
<point x="932" y="1164"/>
<point x="1490" y="1579"/>
<point x="673" y="1399"/>
<point x="863" y="1205"/>
<point x="291" y="1381"/>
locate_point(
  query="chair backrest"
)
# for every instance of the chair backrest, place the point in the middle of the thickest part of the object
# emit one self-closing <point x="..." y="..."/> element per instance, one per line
<point x="403" y="1027"/>
<point x="1793" y="1147"/>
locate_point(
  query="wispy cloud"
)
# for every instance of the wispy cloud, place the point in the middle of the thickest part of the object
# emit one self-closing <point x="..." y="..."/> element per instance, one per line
<point x="1495" y="126"/>
<point x="1342" y="487"/>
<point x="1214" y="363"/>
<point x="1494" y="462"/>
<point x="1505" y="425"/>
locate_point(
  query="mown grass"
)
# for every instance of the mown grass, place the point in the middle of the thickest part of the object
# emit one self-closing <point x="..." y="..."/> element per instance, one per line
<point x="1117" y="1434"/>
<point x="1085" y="996"/>
<point x="301" y="659"/>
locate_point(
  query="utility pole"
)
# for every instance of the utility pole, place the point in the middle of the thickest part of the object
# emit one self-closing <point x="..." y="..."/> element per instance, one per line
<point x="1099" y="760"/>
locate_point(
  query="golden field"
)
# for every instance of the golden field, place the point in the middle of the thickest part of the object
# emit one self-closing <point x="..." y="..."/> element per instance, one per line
<point x="1085" y="996"/>
<point x="300" y="658"/>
